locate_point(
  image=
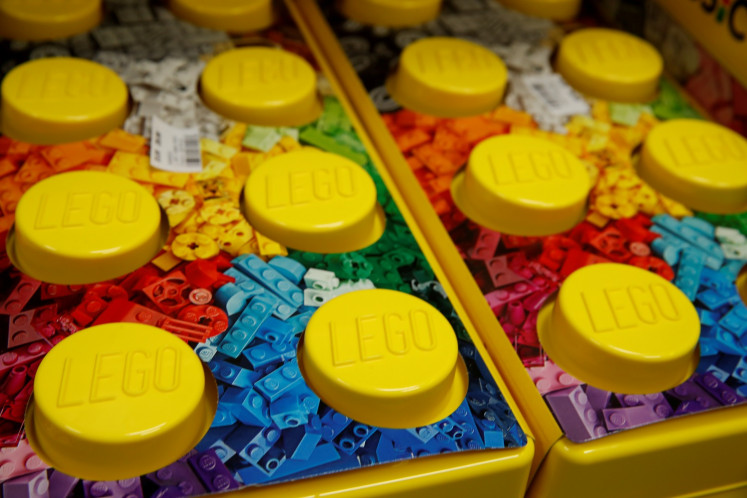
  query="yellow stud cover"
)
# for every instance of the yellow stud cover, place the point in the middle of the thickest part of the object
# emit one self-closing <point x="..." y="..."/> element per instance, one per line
<point x="700" y="164"/>
<point x="314" y="201"/>
<point x="390" y="13"/>
<point x="384" y="358"/>
<point x="85" y="226"/>
<point x="610" y="65"/>
<point x="448" y="77"/>
<point x="262" y="86"/>
<point x="118" y="400"/>
<point x="37" y="20"/>
<point x="235" y="16"/>
<point x="62" y="99"/>
<point x="522" y="185"/>
<point x="621" y="328"/>
<point x="559" y="10"/>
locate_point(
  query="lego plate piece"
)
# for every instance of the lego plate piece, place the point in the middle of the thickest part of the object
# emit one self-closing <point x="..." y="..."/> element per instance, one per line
<point x="119" y="400"/>
<point x="522" y="185"/>
<point x="700" y="164"/>
<point x="234" y="16"/>
<point x="611" y="318"/>
<point x="61" y="99"/>
<point x="36" y="20"/>
<point x="559" y="10"/>
<point x="84" y="227"/>
<point x="314" y="201"/>
<point x="384" y="358"/>
<point x="261" y="86"/>
<point x="390" y="13"/>
<point x="448" y="77"/>
<point x="610" y="65"/>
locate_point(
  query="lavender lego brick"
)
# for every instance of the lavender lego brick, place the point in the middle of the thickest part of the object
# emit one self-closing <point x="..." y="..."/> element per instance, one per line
<point x="634" y="416"/>
<point x="61" y="485"/>
<point x="126" y="488"/>
<point x="34" y="485"/>
<point x="599" y="399"/>
<point x="656" y="402"/>
<point x="723" y="393"/>
<point x="575" y="414"/>
<point x="212" y="472"/>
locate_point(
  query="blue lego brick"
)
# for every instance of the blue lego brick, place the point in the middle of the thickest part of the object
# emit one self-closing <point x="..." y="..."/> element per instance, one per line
<point x="333" y="423"/>
<point x="690" y="267"/>
<point x="667" y="247"/>
<point x="289" y="268"/>
<point x="273" y="330"/>
<point x="715" y="280"/>
<point x="491" y="433"/>
<point x="728" y="363"/>
<point x="252" y="443"/>
<point x="223" y="417"/>
<point x="299" y="442"/>
<point x="700" y="225"/>
<point x="271" y="279"/>
<point x="728" y="343"/>
<point x="299" y="321"/>
<point x="424" y="433"/>
<point x="713" y="299"/>
<point x="353" y="436"/>
<point x="731" y="269"/>
<point x="294" y="407"/>
<point x="264" y="354"/>
<point x="707" y="318"/>
<point x="471" y="438"/>
<point x="714" y="254"/>
<point x="212" y="472"/>
<point x="323" y="455"/>
<point x="233" y="374"/>
<point x="388" y="451"/>
<point x="735" y="320"/>
<point x="222" y="450"/>
<point x="213" y="434"/>
<point x="246" y="326"/>
<point x="740" y="370"/>
<point x="742" y="391"/>
<point x="706" y="361"/>
<point x="281" y="380"/>
<point x="231" y="298"/>
<point x="271" y="461"/>
<point x="247" y="406"/>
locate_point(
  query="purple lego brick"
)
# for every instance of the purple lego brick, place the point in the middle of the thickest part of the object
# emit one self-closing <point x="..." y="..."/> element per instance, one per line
<point x="598" y="398"/>
<point x="34" y="485"/>
<point x="575" y="414"/>
<point x="657" y="402"/>
<point x="633" y="416"/>
<point x="212" y="472"/>
<point x="178" y="475"/>
<point x="61" y="485"/>
<point x="125" y="488"/>
<point x="723" y="393"/>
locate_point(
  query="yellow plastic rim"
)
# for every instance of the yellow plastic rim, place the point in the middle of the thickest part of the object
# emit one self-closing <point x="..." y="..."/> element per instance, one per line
<point x="700" y="164"/>
<point x="522" y="185"/>
<point x="314" y="201"/>
<point x="559" y="10"/>
<point x="235" y="16"/>
<point x="384" y="358"/>
<point x="38" y="20"/>
<point x="119" y="400"/>
<point x="84" y="227"/>
<point x="262" y="86"/>
<point x="448" y="77"/>
<point x="62" y="99"/>
<point x="610" y="65"/>
<point x="390" y="13"/>
<point x="612" y="318"/>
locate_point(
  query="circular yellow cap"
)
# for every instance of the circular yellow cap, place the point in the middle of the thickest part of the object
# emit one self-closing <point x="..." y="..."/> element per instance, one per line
<point x="621" y="328"/>
<point x="559" y="10"/>
<point x="235" y="16"/>
<point x="384" y="358"/>
<point x="314" y="201"/>
<point x="119" y="400"/>
<point x="742" y="284"/>
<point x="523" y="186"/>
<point x="390" y="13"/>
<point x="36" y="20"/>
<point x="700" y="164"/>
<point x="62" y="99"/>
<point x="448" y="77"/>
<point x="85" y="226"/>
<point x="610" y="65"/>
<point x="263" y="86"/>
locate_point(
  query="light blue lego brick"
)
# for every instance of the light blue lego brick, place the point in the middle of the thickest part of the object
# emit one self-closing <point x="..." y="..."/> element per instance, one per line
<point x="716" y="280"/>
<point x="353" y="436"/>
<point x="247" y="406"/>
<point x="424" y="433"/>
<point x="735" y="320"/>
<point x="690" y="267"/>
<point x="231" y="298"/>
<point x="299" y="321"/>
<point x="728" y="343"/>
<point x="222" y="450"/>
<point x="289" y="268"/>
<point x="667" y="247"/>
<point x="740" y="370"/>
<point x="274" y="330"/>
<point x="281" y="380"/>
<point x="205" y="352"/>
<point x="700" y="225"/>
<point x="246" y="284"/>
<point x="247" y="324"/>
<point x="233" y="374"/>
<point x="264" y="354"/>
<point x="742" y="391"/>
<point x="271" y="279"/>
<point x="714" y="254"/>
<point x="299" y="442"/>
<point x="731" y="269"/>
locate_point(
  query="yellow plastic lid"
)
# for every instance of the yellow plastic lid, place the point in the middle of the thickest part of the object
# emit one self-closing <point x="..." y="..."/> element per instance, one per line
<point x="62" y="99"/>
<point x="621" y="328"/>
<point x="235" y="16"/>
<point x="314" y="201"/>
<point x="448" y="77"/>
<point x="559" y="10"/>
<point x="262" y="86"/>
<point x="742" y="284"/>
<point x="390" y="13"/>
<point x="384" y="358"/>
<point x="700" y="164"/>
<point x="610" y="64"/>
<point x="36" y="20"/>
<point x="118" y="400"/>
<point x="522" y="185"/>
<point x="85" y="226"/>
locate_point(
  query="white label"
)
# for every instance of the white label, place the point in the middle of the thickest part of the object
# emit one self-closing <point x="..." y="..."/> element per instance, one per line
<point x="555" y="94"/>
<point x="175" y="149"/>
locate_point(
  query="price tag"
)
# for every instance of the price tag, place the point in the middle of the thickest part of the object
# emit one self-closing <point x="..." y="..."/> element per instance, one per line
<point x="175" y="149"/>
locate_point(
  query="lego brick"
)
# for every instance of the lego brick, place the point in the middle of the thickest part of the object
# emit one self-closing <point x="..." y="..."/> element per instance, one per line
<point x="575" y="414"/>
